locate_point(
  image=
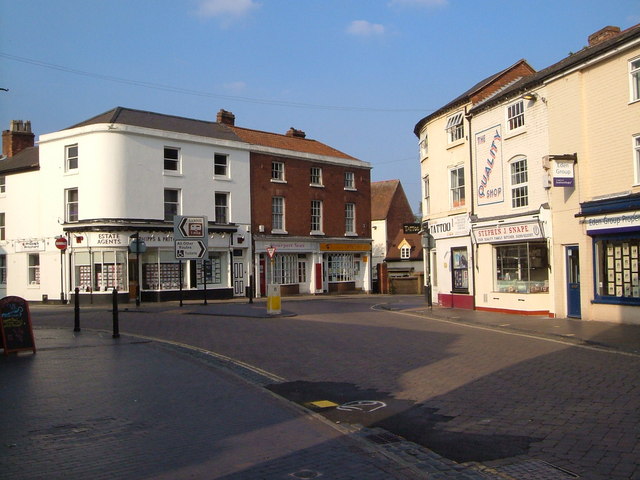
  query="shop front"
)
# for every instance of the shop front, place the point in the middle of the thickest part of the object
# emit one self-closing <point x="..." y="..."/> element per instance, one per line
<point x="514" y="266"/>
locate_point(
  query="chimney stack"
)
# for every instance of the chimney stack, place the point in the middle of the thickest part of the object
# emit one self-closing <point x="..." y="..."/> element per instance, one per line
<point x="292" y="132"/>
<point x="603" y="35"/>
<point x="17" y="138"/>
<point x="226" y="118"/>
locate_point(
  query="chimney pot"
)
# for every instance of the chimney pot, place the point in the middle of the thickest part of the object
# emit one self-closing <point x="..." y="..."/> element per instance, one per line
<point x="226" y="118"/>
<point x="603" y="35"/>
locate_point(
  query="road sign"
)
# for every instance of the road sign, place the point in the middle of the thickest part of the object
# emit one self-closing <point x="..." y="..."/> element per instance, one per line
<point x="61" y="243"/>
<point x="190" y="249"/>
<point x="271" y="251"/>
<point x="190" y="227"/>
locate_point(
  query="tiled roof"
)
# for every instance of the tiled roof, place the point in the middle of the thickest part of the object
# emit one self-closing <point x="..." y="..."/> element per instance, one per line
<point x="27" y="159"/>
<point x="381" y="197"/>
<point x="286" y="142"/>
<point x="413" y="239"/>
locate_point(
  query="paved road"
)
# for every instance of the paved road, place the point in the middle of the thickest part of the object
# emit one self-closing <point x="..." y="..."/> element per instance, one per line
<point x="468" y="393"/>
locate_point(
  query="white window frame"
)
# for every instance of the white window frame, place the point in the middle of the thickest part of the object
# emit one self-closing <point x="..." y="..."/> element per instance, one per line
<point x="71" y="214"/>
<point x="634" y="79"/>
<point x="515" y="115"/>
<point x="350" y="219"/>
<point x="636" y="158"/>
<point x="349" y="181"/>
<point x="315" y="174"/>
<point x="3" y="184"/>
<point x="426" y="204"/>
<point x="33" y="269"/>
<point x="424" y="146"/>
<point x="278" y="207"/>
<point x="71" y="158"/>
<point x="405" y="252"/>
<point x="277" y="172"/>
<point x="170" y="161"/>
<point x="221" y="206"/>
<point x="3" y="269"/>
<point x="519" y="178"/>
<point x="220" y="169"/>
<point x="316" y="217"/>
<point x="456" y="190"/>
<point x="455" y="127"/>
<point x="3" y="226"/>
<point x="166" y="203"/>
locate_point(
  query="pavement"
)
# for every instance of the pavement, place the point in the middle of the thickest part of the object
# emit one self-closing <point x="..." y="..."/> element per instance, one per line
<point x="88" y="405"/>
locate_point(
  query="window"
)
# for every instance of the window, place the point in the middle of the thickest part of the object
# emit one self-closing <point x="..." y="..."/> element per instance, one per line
<point x="161" y="270"/>
<point x="2" y="227"/>
<point x="519" y="187"/>
<point x="405" y="252"/>
<point x="522" y="268"/>
<point x="285" y="269"/>
<point x="316" y="176"/>
<point x="277" y="171"/>
<point x="220" y="165"/>
<point x="515" y="115"/>
<point x="3" y="184"/>
<point x="71" y="157"/>
<point x="34" y="269"/>
<point x="634" y="71"/>
<point x="212" y="270"/>
<point x="350" y="218"/>
<point x="277" y="213"/>
<point x="427" y="200"/>
<point x="424" y="146"/>
<point x="617" y="271"/>
<point x="457" y="186"/>
<point x="171" y="159"/>
<point x="341" y="267"/>
<point x="636" y="153"/>
<point x="460" y="269"/>
<point x="171" y="204"/>
<point x="349" y="181"/>
<point x="222" y="207"/>
<point x="316" y="216"/>
<point x="3" y="269"/>
<point x="71" y="205"/>
<point x="302" y="269"/>
<point x="455" y="127"/>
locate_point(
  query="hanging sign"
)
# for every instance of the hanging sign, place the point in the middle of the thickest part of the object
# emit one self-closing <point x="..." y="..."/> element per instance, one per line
<point x="562" y="173"/>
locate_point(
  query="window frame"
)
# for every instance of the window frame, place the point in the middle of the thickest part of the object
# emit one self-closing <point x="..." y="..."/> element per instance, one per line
<point x="350" y="219"/>
<point x="636" y="158"/>
<point x="316" y="217"/>
<point x="315" y="177"/>
<point x="219" y="166"/>
<point x="71" y="216"/>
<point x="519" y="181"/>
<point x="426" y="203"/>
<point x="33" y="269"/>
<point x="3" y="226"/>
<point x="278" y="172"/>
<point x="220" y="208"/>
<point x="3" y="269"/>
<point x="457" y="190"/>
<point x="616" y="260"/>
<point x="515" y="115"/>
<point x="3" y="184"/>
<point x="455" y="127"/>
<point x="177" y="203"/>
<point x="424" y="146"/>
<point x="349" y="181"/>
<point x="71" y="161"/>
<point x="405" y="252"/>
<point x="532" y="260"/>
<point x="634" y="79"/>
<point x="278" y="210"/>
<point x="172" y="161"/>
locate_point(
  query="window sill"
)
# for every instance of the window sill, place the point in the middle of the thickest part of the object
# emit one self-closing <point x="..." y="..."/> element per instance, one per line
<point x="220" y="178"/>
<point x="316" y="232"/>
<point x="350" y="189"/>
<point x="71" y="172"/>
<point x="351" y="234"/>
<point x="316" y="185"/>
<point x="616" y="300"/>
<point x="514" y="133"/>
<point x="279" y="232"/>
<point x="455" y="144"/>
<point x="169" y="173"/>
<point x="275" y="180"/>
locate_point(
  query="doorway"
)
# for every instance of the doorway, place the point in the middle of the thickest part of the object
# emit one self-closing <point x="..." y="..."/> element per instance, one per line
<point x="573" y="281"/>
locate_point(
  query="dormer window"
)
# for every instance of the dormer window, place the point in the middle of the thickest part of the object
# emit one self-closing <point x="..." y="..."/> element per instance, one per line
<point x="405" y="252"/>
<point x="455" y="127"/>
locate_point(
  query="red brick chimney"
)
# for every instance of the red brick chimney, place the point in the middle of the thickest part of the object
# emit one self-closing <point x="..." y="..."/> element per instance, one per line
<point x="17" y="138"/>
<point x="603" y="35"/>
<point x="292" y="132"/>
<point x="226" y="118"/>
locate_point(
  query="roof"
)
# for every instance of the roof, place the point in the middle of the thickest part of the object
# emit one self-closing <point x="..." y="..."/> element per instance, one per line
<point x="25" y="160"/>
<point x="159" y="121"/>
<point x="415" y="242"/>
<point x="381" y="198"/>
<point x="287" y="142"/>
<point x="573" y="60"/>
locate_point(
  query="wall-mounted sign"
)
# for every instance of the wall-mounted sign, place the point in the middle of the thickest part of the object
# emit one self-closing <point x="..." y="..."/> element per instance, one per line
<point x="456" y="226"/>
<point x="562" y="173"/>
<point x="411" y="228"/>
<point x="30" y="246"/>
<point x="489" y="184"/>
<point x="508" y="233"/>
<point x="613" y="222"/>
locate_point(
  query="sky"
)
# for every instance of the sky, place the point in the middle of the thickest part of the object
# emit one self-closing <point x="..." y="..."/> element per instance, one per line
<point x="354" y="74"/>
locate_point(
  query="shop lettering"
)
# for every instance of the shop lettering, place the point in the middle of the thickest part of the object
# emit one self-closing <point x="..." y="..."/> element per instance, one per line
<point x="484" y="181"/>
<point x="440" y="228"/>
<point x="108" y="239"/>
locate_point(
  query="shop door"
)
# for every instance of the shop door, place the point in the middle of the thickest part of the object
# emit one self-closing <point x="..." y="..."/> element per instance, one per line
<point x="133" y="278"/>
<point x="238" y="278"/>
<point x="573" y="282"/>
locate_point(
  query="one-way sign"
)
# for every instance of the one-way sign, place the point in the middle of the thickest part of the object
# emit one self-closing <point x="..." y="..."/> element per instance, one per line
<point x="190" y="249"/>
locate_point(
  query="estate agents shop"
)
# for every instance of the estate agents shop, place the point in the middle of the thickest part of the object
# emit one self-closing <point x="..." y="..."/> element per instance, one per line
<point x="451" y="267"/>
<point x="101" y="261"/>
<point x="302" y="266"/>
<point x="513" y="269"/>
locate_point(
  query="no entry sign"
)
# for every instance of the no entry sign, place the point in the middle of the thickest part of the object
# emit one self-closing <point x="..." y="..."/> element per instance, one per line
<point x="61" y="243"/>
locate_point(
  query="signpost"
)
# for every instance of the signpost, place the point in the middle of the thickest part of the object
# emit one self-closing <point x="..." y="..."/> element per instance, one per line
<point x="191" y="240"/>
<point x="273" y="290"/>
<point x="61" y="244"/>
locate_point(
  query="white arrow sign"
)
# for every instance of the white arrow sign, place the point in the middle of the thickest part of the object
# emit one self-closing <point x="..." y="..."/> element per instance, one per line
<point x="192" y="227"/>
<point x="190" y="249"/>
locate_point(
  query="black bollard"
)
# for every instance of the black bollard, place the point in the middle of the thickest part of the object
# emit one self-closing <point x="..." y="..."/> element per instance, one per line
<point x="76" y="311"/>
<point x="116" y="327"/>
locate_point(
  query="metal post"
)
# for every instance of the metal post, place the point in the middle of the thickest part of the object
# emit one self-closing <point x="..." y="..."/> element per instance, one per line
<point x="204" y="270"/>
<point x="138" y="269"/>
<point x="116" y="327"/>
<point x="62" y="276"/>
<point x="180" y="267"/>
<point x="76" y="310"/>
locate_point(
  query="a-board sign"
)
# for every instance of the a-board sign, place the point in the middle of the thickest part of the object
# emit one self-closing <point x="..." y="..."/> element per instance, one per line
<point x="15" y="323"/>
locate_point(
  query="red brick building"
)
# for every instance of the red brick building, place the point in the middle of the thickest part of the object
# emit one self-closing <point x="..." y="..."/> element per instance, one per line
<point x="311" y="209"/>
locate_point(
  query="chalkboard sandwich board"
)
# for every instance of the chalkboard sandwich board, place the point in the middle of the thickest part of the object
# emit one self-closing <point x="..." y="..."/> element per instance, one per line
<point x="15" y="320"/>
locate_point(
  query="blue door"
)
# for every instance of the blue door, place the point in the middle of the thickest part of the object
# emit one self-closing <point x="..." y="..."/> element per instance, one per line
<point x="573" y="282"/>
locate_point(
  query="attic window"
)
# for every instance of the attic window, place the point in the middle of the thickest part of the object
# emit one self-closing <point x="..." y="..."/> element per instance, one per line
<point x="405" y="252"/>
<point x="455" y="127"/>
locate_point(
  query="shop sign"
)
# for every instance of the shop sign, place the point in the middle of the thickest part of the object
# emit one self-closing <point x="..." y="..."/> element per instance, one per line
<point x="408" y="228"/>
<point x="563" y="174"/>
<point x="508" y="233"/>
<point x="30" y="246"/>
<point x="345" y="247"/>
<point x="490" y="184"/>
<point x="457" y="226"/>
<point x="613" y="222"/>
<point x="108" y="239"/>
<point x="286" y="246"/>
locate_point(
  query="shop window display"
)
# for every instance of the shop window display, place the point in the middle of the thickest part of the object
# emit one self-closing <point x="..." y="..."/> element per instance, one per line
<point x="522" y="268"/>
<point x="618" y="268"/>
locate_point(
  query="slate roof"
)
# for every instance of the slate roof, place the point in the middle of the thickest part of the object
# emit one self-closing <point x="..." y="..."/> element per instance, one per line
<point x="25" y="160"/>
<point x="381" y="198"/>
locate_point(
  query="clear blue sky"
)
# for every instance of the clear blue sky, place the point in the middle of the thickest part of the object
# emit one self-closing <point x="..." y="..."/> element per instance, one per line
<point x="355" y="74"/>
